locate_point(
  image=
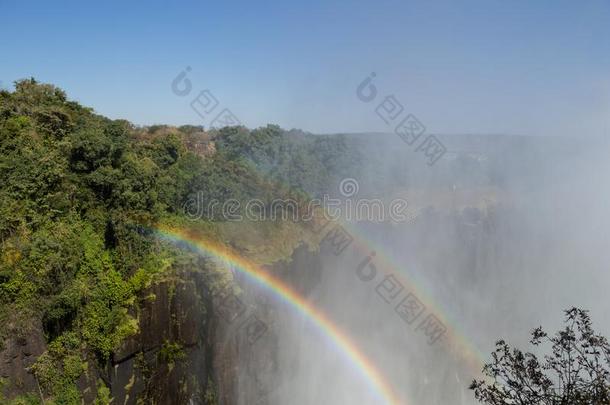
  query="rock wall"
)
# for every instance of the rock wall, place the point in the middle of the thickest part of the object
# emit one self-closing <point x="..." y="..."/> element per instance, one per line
<point x="17" y="355"/>
<point x="188" y="351"/>
<point x="169" y="361"/>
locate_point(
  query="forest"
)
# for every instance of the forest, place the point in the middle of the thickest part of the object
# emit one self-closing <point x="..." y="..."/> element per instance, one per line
<point x="95" y="305"/>
<point x="79" y="198"/>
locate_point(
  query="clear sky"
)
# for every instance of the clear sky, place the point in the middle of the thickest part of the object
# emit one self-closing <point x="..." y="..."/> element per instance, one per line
<point x="522" y="67"/>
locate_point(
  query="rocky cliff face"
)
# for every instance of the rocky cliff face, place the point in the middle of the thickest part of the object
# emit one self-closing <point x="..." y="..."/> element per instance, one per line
<point x="245" y="368"/>
<point x="191" y="349"/>
<point x="169" y="361"/>
<point x="17" y="355"/>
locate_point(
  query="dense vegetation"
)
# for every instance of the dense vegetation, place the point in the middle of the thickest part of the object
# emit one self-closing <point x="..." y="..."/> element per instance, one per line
<point x="79" y="196"/>
<point x="76" y="188"/>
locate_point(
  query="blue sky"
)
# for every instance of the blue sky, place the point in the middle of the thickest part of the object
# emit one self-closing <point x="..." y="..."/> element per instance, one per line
<point x="521" y="67"/>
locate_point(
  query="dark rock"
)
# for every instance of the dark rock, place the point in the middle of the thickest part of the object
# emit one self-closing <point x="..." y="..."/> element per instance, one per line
<point x="18" y="354"/>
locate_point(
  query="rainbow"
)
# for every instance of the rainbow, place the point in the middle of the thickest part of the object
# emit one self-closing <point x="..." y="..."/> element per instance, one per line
<point x="346" y="346"/>
<point x="456" y="338"/>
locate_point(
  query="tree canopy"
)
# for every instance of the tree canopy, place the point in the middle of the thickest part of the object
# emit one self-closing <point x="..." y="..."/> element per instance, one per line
<point x="576" y="371"/>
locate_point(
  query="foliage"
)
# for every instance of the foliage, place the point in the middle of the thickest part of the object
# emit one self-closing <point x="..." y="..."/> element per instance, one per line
<point x="59" y="368"/>
<point x="103" y="394"/>
<point x="79" y="200"/>
<point x="210" y="397"/>
<point x="576" y="372"/>
<point x="78" y="190"/>
<point x="298" y="161"/>
<point x="170" y="352"/>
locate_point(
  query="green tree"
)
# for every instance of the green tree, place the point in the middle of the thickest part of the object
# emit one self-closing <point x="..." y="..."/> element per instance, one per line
<point x="575" y="372"/>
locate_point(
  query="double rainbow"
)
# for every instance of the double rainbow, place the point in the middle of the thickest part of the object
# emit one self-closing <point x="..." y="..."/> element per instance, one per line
<point x="376" y="381"/>
<point x="455" y="338"/>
